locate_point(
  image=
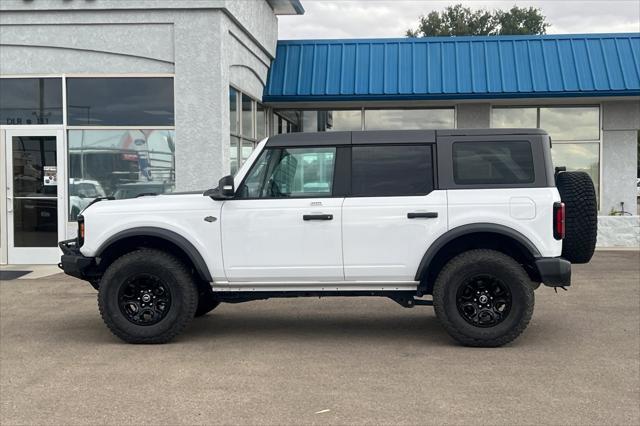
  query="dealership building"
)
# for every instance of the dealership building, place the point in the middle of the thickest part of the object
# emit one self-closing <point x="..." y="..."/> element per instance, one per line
<point x="119" y="98"/>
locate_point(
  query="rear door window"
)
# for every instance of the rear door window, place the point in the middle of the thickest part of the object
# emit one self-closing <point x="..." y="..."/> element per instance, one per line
<point x="391" y="170"/>
<point x="492" y="163"/>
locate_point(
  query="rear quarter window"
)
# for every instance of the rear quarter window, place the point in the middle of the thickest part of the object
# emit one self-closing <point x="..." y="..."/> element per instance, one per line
<point x="493" y="163"/>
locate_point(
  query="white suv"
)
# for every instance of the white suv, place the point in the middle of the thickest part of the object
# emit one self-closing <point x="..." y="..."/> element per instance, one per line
<point x="472" y="219"/>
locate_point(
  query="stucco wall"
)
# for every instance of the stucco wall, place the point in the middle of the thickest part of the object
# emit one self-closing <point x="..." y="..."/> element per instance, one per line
<point x="57" y="43"/>
<point x="205" y="47"/>
<point x="618" y="231"/>
<point x="255" y="17"/>
<point x="200" y="142"/>
<point x="620" y="124"/>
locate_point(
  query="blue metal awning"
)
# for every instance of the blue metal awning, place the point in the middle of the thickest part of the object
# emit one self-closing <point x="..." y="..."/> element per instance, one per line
<point x="487" y="67"/>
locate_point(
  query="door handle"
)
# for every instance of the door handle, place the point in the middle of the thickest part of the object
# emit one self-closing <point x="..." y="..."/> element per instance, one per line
<point x="427" y="215"/>
<point x="9" y="205"/>
<point x="317" y="217"/>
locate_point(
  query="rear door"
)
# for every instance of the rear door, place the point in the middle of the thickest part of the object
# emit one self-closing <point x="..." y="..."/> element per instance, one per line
<point x="393" y="213"/>
<point x="500" y="179"/>
<point x="285" y="223"/>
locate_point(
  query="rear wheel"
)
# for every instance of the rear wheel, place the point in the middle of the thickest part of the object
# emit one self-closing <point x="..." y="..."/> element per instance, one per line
<point x="147" y="296"/>
<point x="483" y="298"/>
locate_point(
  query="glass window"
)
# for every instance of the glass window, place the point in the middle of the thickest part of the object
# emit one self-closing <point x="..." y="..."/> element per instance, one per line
<point x="310" y="121"/>
<point x="405" y="119"/>
<point x="321" y="121"/>
<point x="584" y="157"/>
<point x="35" y="188"/>
<point x="247" y="149"/>
<point x="254" y="182"/>
<point x="120" y="101"/>
<point x="33" y="158"/>
<point x="233" y="154"/>
<point x="562" y="123"/>
<point x="391" y="170"/>
<point x="247" y="116"/>
<point x="571" y="123"/>
<point x="291" y="172"/>
<point x="289" y="121"/>
<point x="35" y="222"/>
<point x="248" y="121"/>
<point x="30" y="101"/>
<point x="233" y="110"/>
<point x="261" y="122"/>
<point x="285" y="126"/>
<point x="339" y="120"/>
<point x="518" y="118"/>
<point x="492" y="163"/>
<point x="119" y="163"/>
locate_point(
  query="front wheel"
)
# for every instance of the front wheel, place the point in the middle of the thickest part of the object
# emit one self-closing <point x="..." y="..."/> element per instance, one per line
<point x="147" y="296"/>
<point x="483" y="298"/>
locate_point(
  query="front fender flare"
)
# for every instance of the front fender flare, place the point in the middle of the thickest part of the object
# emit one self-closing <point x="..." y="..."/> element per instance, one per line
<point x="178" y="240"/>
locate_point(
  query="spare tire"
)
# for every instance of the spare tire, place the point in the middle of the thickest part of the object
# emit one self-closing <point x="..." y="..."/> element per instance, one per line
<point x="581" y="215"/>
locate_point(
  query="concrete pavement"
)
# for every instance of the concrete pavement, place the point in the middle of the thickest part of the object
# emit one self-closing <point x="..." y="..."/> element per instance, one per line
<point x="327" y="361"/>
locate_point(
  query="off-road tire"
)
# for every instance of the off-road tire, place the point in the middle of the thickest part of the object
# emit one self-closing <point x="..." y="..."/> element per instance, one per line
<point x="206" y="301"/>
<point x="581" y="215"/>
<point x="172" y="272"/>
<point x="483" y="262"/>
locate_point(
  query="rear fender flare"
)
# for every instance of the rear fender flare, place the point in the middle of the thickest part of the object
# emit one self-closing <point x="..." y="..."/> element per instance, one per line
<point x="460" y="231"/>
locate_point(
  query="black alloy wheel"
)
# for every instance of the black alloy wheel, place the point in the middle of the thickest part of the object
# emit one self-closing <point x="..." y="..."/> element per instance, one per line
<point x="144" y="299"/>
<point x="484" y="298"/>
<point x="147" y="296"/>
<point x="483" y="301"/>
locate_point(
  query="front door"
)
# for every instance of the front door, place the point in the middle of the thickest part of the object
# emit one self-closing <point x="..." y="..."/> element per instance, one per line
<point x="285" y="223"/>
<point x="35" y="195"/>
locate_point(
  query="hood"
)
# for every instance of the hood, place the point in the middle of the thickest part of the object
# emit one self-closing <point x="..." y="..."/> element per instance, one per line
<point x="152" y="204"/>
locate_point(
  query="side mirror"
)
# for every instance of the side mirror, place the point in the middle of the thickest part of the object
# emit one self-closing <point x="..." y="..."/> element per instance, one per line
<point x="226" y="186"/>
<point x="224" y="191"/>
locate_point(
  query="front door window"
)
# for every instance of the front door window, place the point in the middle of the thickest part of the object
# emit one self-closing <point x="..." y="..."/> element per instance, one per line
<point x="291" y="173"/>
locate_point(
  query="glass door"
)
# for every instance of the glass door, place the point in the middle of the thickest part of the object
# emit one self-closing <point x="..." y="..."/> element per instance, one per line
<point x="35" y="195"/>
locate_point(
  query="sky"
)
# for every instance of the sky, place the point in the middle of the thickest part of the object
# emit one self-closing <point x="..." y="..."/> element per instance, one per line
<point x="388" y="18"/>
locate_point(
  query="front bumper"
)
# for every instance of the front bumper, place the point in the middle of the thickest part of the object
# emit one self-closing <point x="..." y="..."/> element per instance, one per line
<point x="554" y="271"/>
<point x="75" y="263"/>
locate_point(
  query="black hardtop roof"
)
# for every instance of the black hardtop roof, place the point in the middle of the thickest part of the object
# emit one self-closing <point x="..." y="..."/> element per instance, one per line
<point x="386" y="136"/>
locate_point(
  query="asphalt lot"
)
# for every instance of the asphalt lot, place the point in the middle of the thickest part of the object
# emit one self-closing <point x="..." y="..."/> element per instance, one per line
<point x="365" y="360"/>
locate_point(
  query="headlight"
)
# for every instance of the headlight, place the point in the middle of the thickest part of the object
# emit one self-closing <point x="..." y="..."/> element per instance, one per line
<point x="80" y="230"/>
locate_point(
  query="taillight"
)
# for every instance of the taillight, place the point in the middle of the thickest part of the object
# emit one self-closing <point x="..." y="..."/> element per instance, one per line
<point x="558" y="221"/>
<point x="80" y="231"/>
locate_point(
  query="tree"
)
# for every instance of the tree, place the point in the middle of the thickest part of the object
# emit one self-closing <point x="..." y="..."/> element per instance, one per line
<point x="458" y="20"/>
